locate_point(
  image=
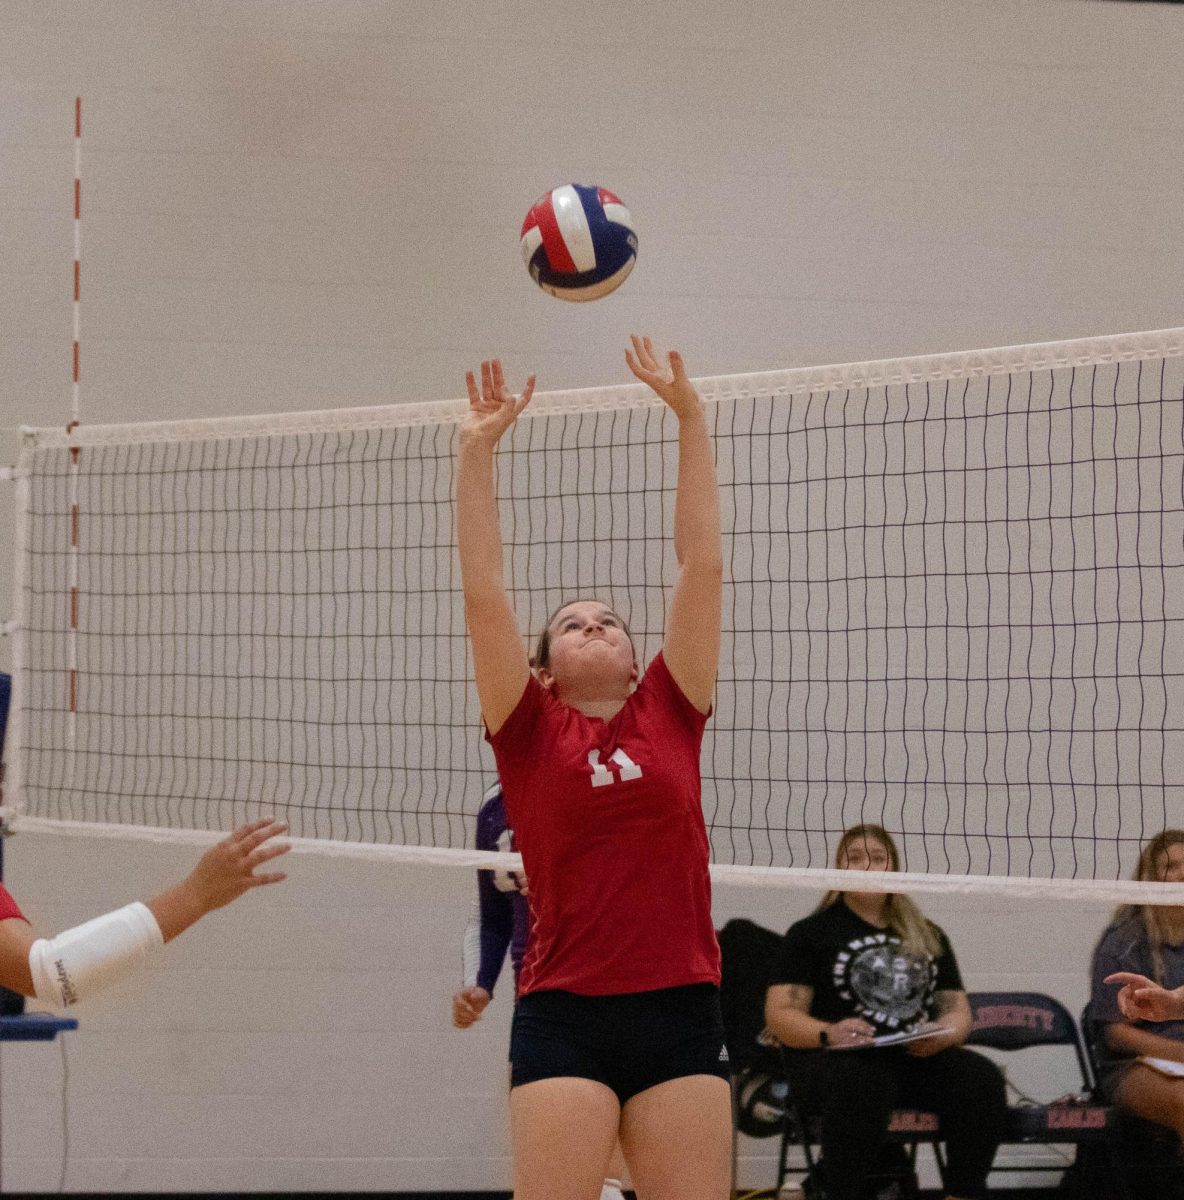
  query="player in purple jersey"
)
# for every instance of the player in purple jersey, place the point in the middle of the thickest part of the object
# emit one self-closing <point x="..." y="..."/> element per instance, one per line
<point x="499" y="920"/>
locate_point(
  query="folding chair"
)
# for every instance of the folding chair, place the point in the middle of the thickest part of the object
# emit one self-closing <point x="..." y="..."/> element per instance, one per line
<point x="1011" y="1021"/>
<point x="758" y="1086"/>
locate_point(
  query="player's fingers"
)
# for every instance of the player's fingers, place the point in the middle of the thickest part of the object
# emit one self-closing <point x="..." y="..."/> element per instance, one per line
<point x="644" y="350"/>
<point x="527" y="392"/>
<point x="652" y="355"/>
<point x="245" y="831"/>
<point x="487" y="382"/>
<point x="261" y="835"/>
<point x="264" y="854"/>
<point x="474" y="394"/>
<point x="676" y="365"/>
<point x="499" y="379"/>
<point x="1125" y="977"/>
<point x="268" y="877"/>
<point x="651" y="378"/>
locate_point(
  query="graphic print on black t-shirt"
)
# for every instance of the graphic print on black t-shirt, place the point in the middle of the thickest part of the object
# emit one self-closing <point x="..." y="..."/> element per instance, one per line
<point x="884" y="983"/>
<point x="855" y="969"/>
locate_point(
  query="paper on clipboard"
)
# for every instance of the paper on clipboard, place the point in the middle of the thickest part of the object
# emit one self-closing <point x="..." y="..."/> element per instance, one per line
<point x="929" y="1029"/>
<point x="1165" y="1066"/>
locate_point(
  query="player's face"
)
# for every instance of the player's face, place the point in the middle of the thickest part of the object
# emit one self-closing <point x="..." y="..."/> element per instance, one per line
<point x="1169" y="866"/>
<point x="865" y="854"/>
<point x="589" y="647"/>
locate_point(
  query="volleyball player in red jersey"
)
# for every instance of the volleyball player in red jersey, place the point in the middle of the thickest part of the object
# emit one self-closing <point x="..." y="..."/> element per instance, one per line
<point x="69" y="968"/>
<point x="617" y="1029"/>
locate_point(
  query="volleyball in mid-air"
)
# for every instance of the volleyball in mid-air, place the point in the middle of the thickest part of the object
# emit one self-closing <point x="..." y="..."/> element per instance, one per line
<point x="578" y="242"/>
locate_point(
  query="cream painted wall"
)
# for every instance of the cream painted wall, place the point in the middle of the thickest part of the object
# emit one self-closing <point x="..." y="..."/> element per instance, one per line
<point x="302" y="204"/>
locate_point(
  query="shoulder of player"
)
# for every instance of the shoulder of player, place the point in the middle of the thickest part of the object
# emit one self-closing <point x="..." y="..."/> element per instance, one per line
<point x="940" y="933"/>
<point x="659" y="690"/>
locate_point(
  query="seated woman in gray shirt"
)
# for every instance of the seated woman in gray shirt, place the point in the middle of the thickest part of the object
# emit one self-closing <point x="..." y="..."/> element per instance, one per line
<point x="1142" y="951"/>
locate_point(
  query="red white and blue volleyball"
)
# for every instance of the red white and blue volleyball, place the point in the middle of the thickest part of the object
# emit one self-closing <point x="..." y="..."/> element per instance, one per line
<point x="578" y="242"/>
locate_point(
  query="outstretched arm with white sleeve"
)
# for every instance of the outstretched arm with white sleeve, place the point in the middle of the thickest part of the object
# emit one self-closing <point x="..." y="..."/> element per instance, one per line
<point x="78" y="963"/>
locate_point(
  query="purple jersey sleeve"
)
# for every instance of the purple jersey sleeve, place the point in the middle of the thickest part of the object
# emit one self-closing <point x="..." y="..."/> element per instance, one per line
<point x="502" y="910"/>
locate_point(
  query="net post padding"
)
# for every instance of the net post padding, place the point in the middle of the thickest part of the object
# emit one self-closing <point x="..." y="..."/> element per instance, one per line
<point x="814" y="879"/>
<point x="14" y="759"/>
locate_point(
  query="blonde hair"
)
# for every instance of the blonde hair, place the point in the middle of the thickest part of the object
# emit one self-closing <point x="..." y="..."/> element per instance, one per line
<point x="917" y="934"/>
<point x="1152" y="917"/>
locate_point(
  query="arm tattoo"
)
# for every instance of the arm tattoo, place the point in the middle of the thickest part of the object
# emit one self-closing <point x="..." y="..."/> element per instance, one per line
<point x="798" y="995"/>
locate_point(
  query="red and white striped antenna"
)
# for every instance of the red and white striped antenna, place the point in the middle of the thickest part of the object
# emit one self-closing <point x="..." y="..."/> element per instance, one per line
<point x="75" y="409"/>
<point x="75" y="420"/>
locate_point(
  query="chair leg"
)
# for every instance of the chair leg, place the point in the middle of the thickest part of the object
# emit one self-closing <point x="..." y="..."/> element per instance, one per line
<point x="783" y="1151"/>
<point x="735" y="1134"/>
<point x="794" y="1129"/>
<point x="939" y="1155"/>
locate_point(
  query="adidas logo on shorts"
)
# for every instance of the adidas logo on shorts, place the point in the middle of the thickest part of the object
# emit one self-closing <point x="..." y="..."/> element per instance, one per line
<point x="723" y="1054"/>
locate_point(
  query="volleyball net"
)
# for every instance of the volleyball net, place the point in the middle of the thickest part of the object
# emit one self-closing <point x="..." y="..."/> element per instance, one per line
<point x="954" y="606"/>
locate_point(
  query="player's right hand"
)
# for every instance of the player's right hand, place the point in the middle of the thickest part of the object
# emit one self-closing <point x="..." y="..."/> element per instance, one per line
<point x="1142" y="999"/>
<point x="467" y="1006"/>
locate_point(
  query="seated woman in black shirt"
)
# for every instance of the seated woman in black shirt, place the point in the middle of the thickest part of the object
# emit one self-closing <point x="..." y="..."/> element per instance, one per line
<point x="865" y="965"/>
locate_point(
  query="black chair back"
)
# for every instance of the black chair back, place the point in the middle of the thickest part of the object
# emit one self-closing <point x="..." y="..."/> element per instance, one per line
<point x="747" y="951"/>
<point x="1017" y="1020"/>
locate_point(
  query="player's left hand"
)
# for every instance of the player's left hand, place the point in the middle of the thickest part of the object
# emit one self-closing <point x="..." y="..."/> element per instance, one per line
<point x="467" y="1006"/>
<point x="670" y="382"/>
<point x="227" y="870"/>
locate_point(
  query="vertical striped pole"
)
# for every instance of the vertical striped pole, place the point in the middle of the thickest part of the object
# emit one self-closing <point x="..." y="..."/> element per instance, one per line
<point x="75" y="418"/>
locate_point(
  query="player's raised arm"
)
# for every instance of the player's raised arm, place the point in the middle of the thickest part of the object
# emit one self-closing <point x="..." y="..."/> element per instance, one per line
<point x="691" y="646"/>
<point x="499" y="654"/>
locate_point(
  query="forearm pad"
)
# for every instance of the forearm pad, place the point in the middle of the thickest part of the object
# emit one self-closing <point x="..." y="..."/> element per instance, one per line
<point x="82" y="961"/>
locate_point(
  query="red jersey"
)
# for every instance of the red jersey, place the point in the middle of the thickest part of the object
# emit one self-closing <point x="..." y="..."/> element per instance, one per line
<point x="8" y="906"/>
<point x="609" y="819"/>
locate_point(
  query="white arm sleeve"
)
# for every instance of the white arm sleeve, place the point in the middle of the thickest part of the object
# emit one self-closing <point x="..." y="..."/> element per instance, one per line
<point x="471" y="946"/>
<point x="82" y="961"/>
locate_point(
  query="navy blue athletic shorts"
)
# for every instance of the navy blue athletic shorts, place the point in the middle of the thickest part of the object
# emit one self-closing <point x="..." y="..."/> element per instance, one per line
<point x="629" y="1043"/>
